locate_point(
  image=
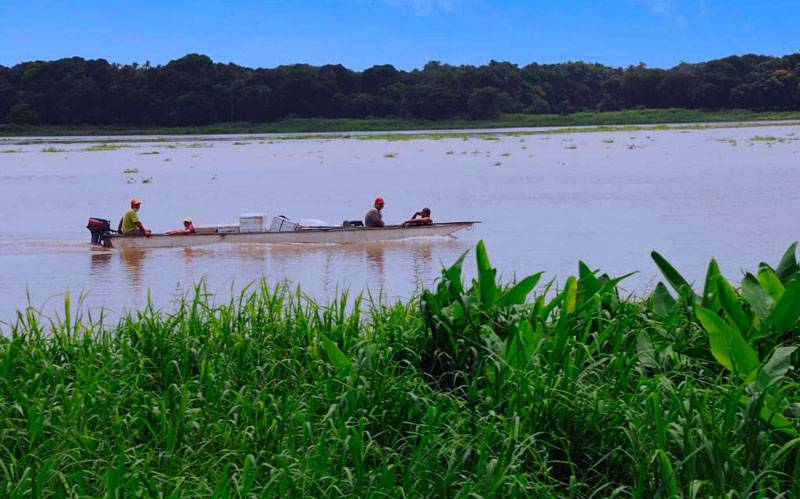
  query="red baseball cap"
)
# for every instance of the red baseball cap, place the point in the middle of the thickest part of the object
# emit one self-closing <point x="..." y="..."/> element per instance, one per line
<point x="379" y="201"/>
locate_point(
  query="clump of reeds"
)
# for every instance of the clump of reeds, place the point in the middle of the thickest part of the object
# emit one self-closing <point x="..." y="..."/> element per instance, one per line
<point x="475" y="389"/>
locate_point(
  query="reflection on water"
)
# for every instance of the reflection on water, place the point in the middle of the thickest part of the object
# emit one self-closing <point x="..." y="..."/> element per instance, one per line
<point x="133" y="261"/>
<point x="100" y="261"/>
<point x="120" y="280"/>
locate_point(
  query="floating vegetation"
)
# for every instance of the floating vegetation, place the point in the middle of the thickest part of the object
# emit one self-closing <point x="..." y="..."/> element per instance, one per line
<point x="762" y="138"/>
<point x="390" y="155"/>
<point x="107" y="147"/>
<point x="608" y="141"/>
<point x="571" y="146"/>
<point x="490" y="138"/>
<point x="149" y="153"/>
<point x="199" y="145"/>
<point x="53" y="149"/>
<point x="10" y="151"/>
<point x="130" y="170"/>
<point x="730" y="141"/>
<point x="242" y="143"/>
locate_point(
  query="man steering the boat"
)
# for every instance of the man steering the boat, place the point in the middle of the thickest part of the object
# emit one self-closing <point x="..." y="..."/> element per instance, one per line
<point x="373" y="218"/>
<point x="129" y="224"/>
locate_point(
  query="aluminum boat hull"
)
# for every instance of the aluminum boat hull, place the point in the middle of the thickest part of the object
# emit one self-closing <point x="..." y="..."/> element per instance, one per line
<point x="320" y="235"/>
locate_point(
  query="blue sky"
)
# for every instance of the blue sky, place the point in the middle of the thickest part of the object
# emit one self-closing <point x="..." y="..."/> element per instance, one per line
<point x="406" y="33"/>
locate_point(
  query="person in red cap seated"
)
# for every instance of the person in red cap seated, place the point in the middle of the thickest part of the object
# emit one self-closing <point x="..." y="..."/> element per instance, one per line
<point x="373" y="218"/>
<point x="129" y="224"/>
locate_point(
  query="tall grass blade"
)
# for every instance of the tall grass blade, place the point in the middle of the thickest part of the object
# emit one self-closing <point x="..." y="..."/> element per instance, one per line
<point x="710" y="299"/>
<point x="486" y="277"/>
<point x="674" y="278"/>
<point x="730" y="303"/>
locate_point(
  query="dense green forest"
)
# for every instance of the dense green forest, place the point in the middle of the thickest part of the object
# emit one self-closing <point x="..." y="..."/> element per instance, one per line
<point x="193" y="90"/>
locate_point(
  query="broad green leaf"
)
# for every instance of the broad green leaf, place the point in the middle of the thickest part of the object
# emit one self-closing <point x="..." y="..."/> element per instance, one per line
<point x="788" y="266"/>
<point x="491" y="341"/>
<point x="555" y="302"/>
<point x="779" y="362"/>
<point x="733" y="309"/>
<point x="674" y="278"/>
<point x="662" y="302"/>
<point x="770" y="282"/>
<point x="486" y="277"/>
<point x="787" y="310"/>
<point x="776" y="367"/>
<point x="453" y="275"/>
<point x="774" y="418"/>
<point x="645" y="351"/>
<point x="588" y="284"/>
<point x="570" y="294"/>
<point x="335" y="355"/>
<point x="520" y="345"/>
<point x="727" y="345"/>
<point x="519" y="292"/>
<point x="710" y="288"/>
<point x="760" y="301"/>
<point x="608" y="286"/>
<point x="778" y="421"/>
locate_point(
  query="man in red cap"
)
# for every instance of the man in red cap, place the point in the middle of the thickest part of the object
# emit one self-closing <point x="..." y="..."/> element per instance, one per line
<point x="129" y="224"/>
<point x="373" y="218"/>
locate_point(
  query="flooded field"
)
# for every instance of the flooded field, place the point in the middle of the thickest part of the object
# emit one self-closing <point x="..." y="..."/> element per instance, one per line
<point x="545" y="201"/>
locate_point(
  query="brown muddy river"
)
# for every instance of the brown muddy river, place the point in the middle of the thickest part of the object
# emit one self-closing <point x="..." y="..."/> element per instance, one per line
<point x="545" y="201"/>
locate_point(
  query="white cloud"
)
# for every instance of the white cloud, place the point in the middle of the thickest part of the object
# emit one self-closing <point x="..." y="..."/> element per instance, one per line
<point x="425" y="7"/>
<point x="666" y="8"/>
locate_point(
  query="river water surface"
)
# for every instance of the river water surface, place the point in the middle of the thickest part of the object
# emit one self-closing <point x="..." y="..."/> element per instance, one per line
<point x="545" y="202"/>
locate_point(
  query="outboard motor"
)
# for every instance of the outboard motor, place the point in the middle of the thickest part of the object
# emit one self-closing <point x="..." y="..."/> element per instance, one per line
<point x="98" y="227"/>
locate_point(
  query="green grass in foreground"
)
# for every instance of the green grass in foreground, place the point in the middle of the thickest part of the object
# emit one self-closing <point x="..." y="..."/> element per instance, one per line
<point x="488" y="391"/>
<point x="312" y="125"/>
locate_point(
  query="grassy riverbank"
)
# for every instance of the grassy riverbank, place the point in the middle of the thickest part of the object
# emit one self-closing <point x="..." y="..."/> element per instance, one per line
<point x="319" y="125"/>
<point x="491" y="390"/>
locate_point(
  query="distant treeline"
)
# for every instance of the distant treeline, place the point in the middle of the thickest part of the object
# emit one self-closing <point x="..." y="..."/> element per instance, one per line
<point x="193" y="90"/>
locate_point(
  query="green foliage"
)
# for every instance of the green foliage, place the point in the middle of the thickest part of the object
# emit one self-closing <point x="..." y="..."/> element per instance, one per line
<point x="195" y="91"/>
<point x="487" y="390"/>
